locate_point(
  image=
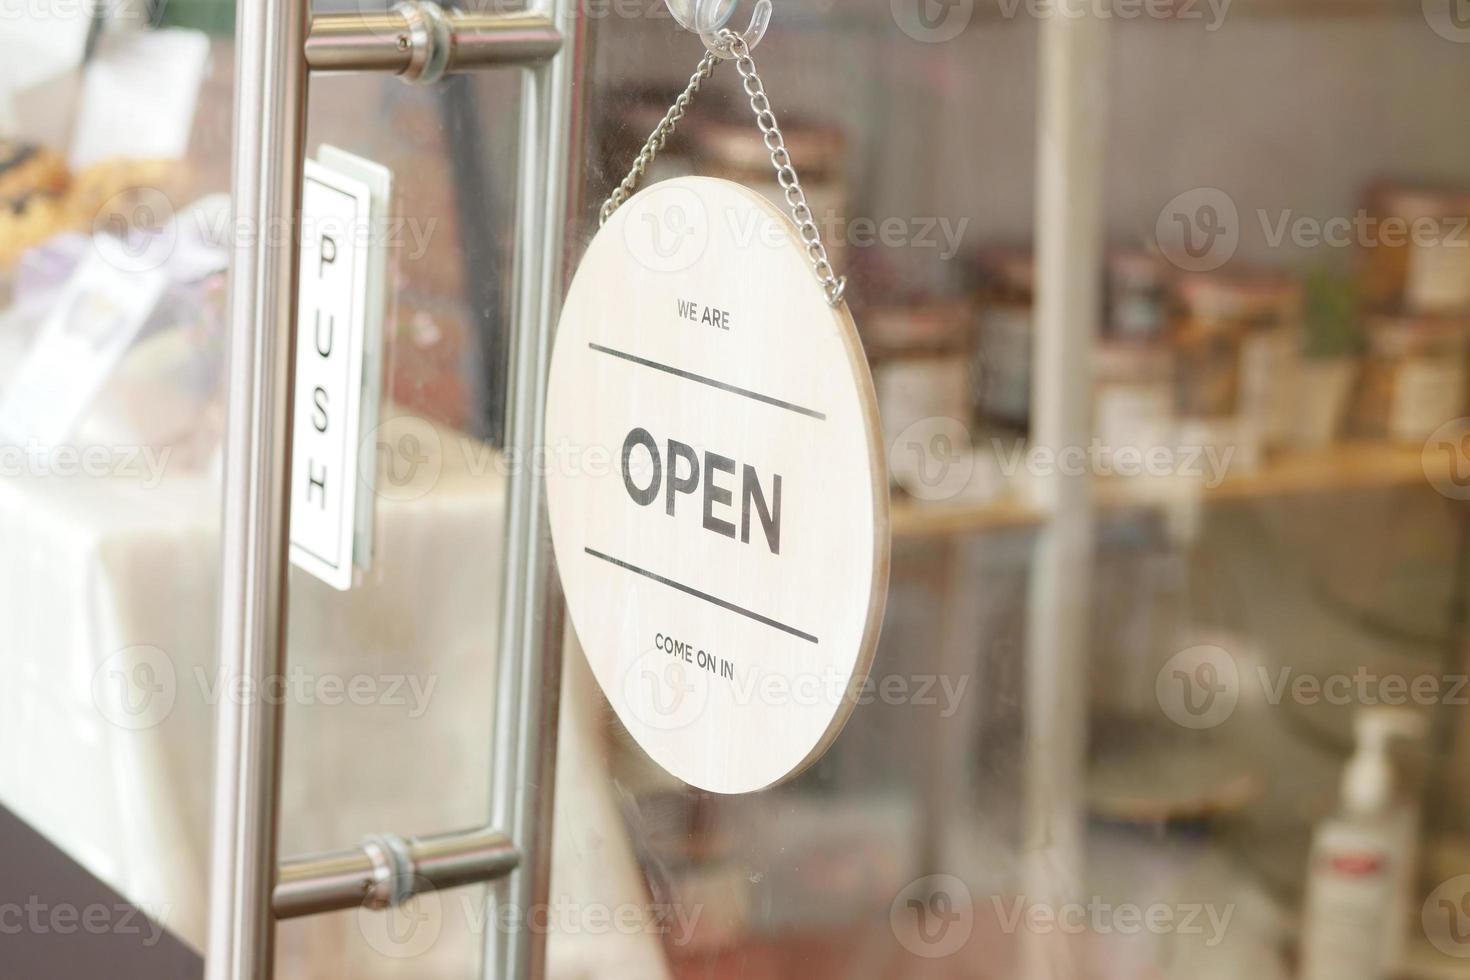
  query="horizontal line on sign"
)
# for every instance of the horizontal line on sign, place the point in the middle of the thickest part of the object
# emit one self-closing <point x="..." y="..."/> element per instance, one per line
<point x="689" y="376"/>
<point x="765" y="620"/>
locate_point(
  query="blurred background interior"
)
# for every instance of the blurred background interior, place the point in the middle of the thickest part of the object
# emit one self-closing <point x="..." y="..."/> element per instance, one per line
<point x="1218" y="253"/>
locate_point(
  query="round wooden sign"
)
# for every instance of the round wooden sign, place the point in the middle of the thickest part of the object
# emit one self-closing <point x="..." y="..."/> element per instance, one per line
<point x="716" y="484"/>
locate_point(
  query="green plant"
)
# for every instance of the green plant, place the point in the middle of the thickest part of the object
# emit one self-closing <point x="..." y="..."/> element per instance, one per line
<point x="213" y="16"/>
<point x="1330" y="314"/>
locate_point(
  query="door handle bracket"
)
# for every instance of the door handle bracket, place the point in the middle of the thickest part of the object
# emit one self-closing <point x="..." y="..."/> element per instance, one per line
<point x="422" y="42"/>
<point x="386" y="870"/>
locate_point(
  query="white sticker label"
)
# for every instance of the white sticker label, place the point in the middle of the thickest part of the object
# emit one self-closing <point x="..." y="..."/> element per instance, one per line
<point x="99" y="314"/>
<point x="337" y="366"/>
<point x="158" y="69"/>
<point x="1439" y="275"/>
<point x="716" y="489"/>
<point x="1430" y="391"/>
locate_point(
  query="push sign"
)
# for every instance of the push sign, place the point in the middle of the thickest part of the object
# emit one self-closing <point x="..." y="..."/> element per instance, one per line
<point x="717" y="488"/>
<point x="338" y="363"/>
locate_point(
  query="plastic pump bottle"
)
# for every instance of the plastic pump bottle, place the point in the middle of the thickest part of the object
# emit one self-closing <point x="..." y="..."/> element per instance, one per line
<point x="1361" y="876"/>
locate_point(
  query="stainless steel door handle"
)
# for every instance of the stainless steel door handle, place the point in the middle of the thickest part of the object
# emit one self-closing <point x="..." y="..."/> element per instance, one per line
<point x="279" y="46"/>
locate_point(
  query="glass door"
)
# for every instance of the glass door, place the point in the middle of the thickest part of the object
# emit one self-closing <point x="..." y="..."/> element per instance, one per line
<point x="1166" y="681"/>
<point x="419" y="632"/>
<point x="1166" y="309"/>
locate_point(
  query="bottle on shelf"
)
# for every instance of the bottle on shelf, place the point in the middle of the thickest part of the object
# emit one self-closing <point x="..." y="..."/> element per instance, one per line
<point x="1361" y="875"/>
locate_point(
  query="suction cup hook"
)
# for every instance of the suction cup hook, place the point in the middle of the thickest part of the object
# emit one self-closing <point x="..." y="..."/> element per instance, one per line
<point x="708" y="18"/>
<point x="760" y="19"/>
<point x="702" y="16"/>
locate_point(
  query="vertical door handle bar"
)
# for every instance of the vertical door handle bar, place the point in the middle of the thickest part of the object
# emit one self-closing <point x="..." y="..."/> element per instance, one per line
<point x="270" y="121"/>
<point x="528" y="684"/>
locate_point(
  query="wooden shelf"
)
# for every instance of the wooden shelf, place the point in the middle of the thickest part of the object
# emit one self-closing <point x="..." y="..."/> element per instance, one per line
<point x="877" y="15"/>
<point x="1346" y="467"/>
<point x="1350" y="466"/>
<point x="1423" y="962"/>
<point x="913" y="519"/>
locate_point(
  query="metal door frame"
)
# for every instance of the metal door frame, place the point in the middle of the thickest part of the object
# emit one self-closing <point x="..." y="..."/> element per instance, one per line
<point x="279" y="46"/>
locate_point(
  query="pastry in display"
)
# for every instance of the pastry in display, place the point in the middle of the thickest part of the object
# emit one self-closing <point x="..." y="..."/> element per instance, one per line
<point x="33" y="181"/>
<point x="119" y="194"/>
<point x="39" y="198"/>
<point x="27" y="169"/>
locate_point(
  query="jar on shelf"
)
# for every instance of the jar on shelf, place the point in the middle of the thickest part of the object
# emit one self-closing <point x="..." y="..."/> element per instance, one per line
<point x="1414" y="377"/>
<point x="919" y="350"/>
<point x="1138" y="296"/>
<point x="1207" y="335"/>
<point x="1236" y="340"/>
<point x="1133" y="394"/>
<point x="1416" y="250"/>
<point x="734" y="149"/>
<point x="1003" y="340"/>
<point x="1270" y="361"/>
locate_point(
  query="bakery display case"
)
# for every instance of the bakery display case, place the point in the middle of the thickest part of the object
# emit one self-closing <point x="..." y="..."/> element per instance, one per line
<point x="1166" y="309"/>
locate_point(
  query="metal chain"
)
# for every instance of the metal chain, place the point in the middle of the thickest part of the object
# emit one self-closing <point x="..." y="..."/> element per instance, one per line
<point x="833" y="285"/>
<point x="811" y="236"/>
<point x="658" y="138"/>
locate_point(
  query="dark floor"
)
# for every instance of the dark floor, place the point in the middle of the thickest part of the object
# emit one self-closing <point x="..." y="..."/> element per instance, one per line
<point x="57" y="922"/>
